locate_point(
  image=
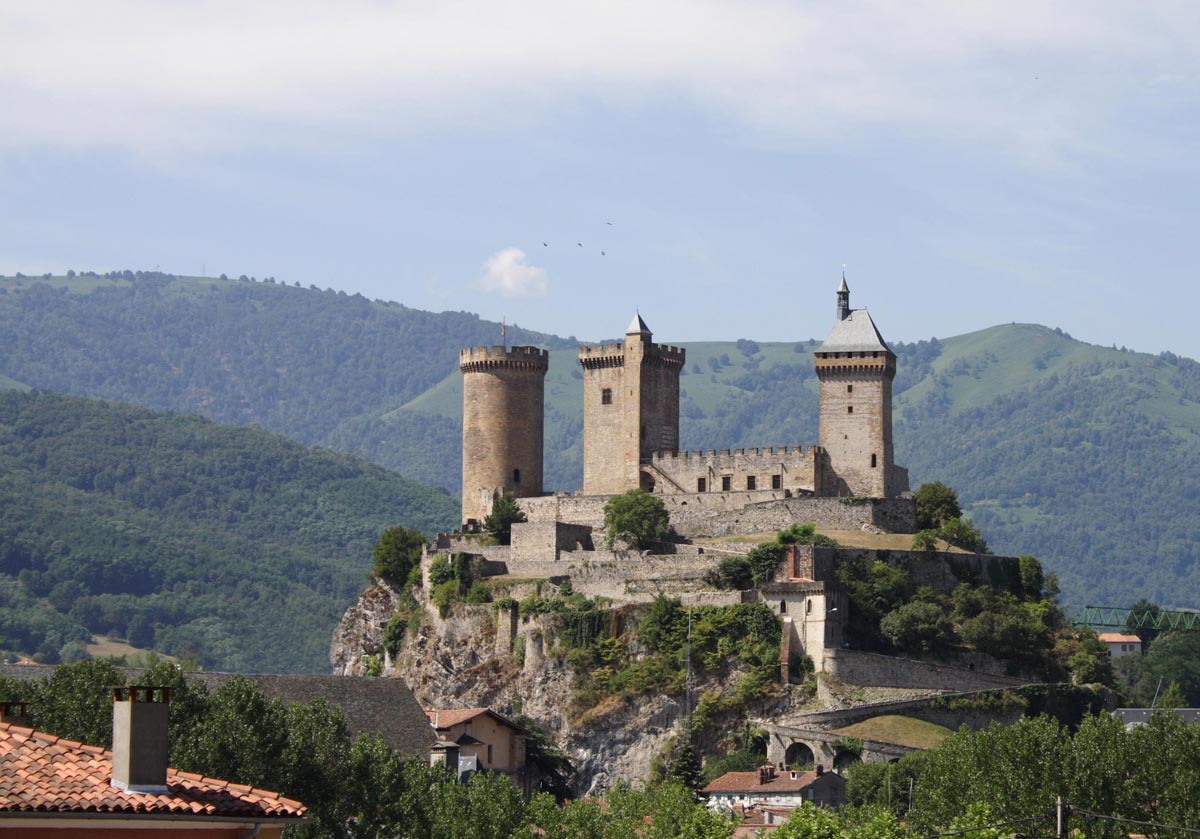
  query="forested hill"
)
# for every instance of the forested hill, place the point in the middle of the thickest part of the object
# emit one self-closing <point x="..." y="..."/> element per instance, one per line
<point x="301" y="362"/>
<point x="1083" y="455"/>
<point x="232" y="545"/>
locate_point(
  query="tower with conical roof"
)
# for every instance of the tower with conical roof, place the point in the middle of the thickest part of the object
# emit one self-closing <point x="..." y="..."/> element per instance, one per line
<point x="630" y="409"/>
<point x="855" y="368"/>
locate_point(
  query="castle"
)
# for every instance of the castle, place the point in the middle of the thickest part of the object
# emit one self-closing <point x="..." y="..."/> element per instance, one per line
<point x="631" y="427"/>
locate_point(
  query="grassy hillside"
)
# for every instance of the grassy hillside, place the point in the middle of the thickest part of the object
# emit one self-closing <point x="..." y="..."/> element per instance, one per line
<point x="1082" y="455"/>
<point x="232" y="545"/>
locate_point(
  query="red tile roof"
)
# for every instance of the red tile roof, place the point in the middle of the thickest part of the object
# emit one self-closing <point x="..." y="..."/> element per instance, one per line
<point x="442" y="719"/>
<point x="446" y="719"/>
<point x="783" y="782"/>
<point x="1118" y="638"/>
<point x="41" y="773"/>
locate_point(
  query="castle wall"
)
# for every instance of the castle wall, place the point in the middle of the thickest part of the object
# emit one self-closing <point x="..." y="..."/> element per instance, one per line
<point x="791" y="468"/>
<point x="709" y="514"/>
<point x="503" y="420"/>
<point x="855" y="667"/>
<point x="942" y="571"/>
<point x="856" y="423"/>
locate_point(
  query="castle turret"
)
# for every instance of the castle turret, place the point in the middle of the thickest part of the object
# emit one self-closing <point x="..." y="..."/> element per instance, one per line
<point x="503" y="408"/>
<point x="855" y="368"/>
<point x="630" y="409"/>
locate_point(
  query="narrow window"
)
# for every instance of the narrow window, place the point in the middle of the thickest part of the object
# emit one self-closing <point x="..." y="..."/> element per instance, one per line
<point x="606" y="396"/>
<point x="701" y="485"/>
<point x="777" y="482"/>
<point x="751" y="482"/>
<point x="726" y="482"/>
<point x="489" y="754"/>
<point x="849" y="388"/>
<point x="872" y="461"/>
<point x="808" y="607"/>
<point x="783" y="607"/>
<point x="516" y="476"/>
<point x="849" y="409"/>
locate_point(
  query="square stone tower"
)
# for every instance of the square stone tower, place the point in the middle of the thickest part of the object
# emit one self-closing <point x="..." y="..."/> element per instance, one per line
<point x="855" y="368"/>
<point x="630" y="409"/>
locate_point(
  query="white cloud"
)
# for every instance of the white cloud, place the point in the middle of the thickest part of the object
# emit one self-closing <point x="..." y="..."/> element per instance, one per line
<point x="507" y="272"/>
<point x="149" y="75"/>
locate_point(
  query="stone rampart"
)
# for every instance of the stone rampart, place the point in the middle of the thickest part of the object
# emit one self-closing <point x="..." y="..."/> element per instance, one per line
<point x="855" y="667"/>
<point x="940" y="570"/>
<point x="737" y="513"/>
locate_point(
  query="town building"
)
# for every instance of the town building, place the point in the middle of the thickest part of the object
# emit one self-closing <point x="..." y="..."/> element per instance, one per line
<point x="1121" y="644"/>
<point x="769" y="787"/>
<point x="486" y="741"/>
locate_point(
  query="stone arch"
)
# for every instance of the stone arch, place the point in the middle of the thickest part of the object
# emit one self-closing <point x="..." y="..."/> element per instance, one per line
<point x="799" y="754"/>
<point x="844" y="759"/>
<point x="646" y="481"/>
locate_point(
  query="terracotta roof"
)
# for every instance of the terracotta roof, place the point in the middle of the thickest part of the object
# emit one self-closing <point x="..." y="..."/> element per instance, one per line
<point x="1118" y="638"/>
<point x="783" y="782"/>
<point x="443" y="719"/>
<point x="41" y="773"/>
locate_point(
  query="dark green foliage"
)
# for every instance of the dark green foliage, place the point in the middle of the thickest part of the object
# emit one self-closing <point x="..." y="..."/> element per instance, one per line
<point x="397" y="552"/>
<point x="1172" y="657"/>
<point x="230" y="545"/>
<point x="505" y="513"/>
<point x="884" y="784"/>
<point x="918" y="626"/>
<point x="679" y="763"/>
<point x="804" y="534"/>
<point x="936" y="505"/>
<point x="764" y="561"/>
<point x="963" y="534"/>
<point x="925" y="540"/>
<point x="393" y="634"/>
<point x="637" y="517"/>
<point x="733" y="572"/>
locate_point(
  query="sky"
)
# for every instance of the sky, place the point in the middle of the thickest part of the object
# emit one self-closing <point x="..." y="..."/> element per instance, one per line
<point x="560" y="164"/>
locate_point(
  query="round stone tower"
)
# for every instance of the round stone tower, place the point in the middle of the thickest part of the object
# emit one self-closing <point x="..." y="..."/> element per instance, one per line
<point x="503" y="401"/>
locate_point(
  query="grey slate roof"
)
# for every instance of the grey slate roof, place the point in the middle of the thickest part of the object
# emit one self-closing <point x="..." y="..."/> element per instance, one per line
<point x="637" y="326"/>
<point x="380" y="706"/>
<point x="857" y="333"/>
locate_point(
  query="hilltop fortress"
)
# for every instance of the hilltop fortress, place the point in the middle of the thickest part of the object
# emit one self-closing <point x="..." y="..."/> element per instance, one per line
<point x="631" y="438"/>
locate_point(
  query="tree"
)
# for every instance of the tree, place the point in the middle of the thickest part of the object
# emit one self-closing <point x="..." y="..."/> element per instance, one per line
<point x="397" y="553"/>
<point x="936" y="505"/>
<point x="964" y="534"/>
<point x="918" y="626"/>
<point x="505" y="513"/>
<point x="637" y="517"/>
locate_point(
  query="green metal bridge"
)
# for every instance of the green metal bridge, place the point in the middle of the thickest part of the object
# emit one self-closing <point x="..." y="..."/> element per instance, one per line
<point x="1134" y="619"/>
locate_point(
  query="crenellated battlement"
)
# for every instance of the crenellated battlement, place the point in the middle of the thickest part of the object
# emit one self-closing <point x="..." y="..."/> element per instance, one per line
<point x="770" y="452"/>
<point x="474" y="359"/>
<point x="613" y="355"/>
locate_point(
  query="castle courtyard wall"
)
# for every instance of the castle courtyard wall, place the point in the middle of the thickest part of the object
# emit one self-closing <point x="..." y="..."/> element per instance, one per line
<point x="791" y="468"/>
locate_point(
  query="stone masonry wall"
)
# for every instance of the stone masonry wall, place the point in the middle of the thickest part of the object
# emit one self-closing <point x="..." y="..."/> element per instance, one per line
<point x="791" y="467"/>
<point x="856" y="422"/>
<point x="855" y="667"/>
<point x="734" y="513"/>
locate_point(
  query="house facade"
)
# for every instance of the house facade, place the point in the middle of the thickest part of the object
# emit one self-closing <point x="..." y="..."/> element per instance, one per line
<point x="772" y="788"/>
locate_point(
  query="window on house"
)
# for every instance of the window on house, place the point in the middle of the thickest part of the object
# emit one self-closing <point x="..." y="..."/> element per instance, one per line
<point x="726" y="482"/>
<point x="783" y="607"/>
<point x="751" y="482"/>
<point x="872" y="461"/>
<point x="849" y="409"/>
<point x="489" y="759"/>
<point x="777" y="482"/>
<point x="701" y="485"/>
<point x="606" y="396"/>
<point x="516" y="476"/>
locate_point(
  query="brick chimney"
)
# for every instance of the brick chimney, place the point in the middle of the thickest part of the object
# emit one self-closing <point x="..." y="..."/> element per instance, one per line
<point x="139" y="751"/>
<point x="766" y="774"/>
<point x="15" y="713"/>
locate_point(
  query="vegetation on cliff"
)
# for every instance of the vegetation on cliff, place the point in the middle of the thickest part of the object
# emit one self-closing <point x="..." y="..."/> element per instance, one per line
<point x="232" y="546"/>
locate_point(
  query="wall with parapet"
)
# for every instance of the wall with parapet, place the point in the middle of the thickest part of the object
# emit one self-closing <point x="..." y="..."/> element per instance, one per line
<point x="780" y="468"/>
<point x="735" y="513"/>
